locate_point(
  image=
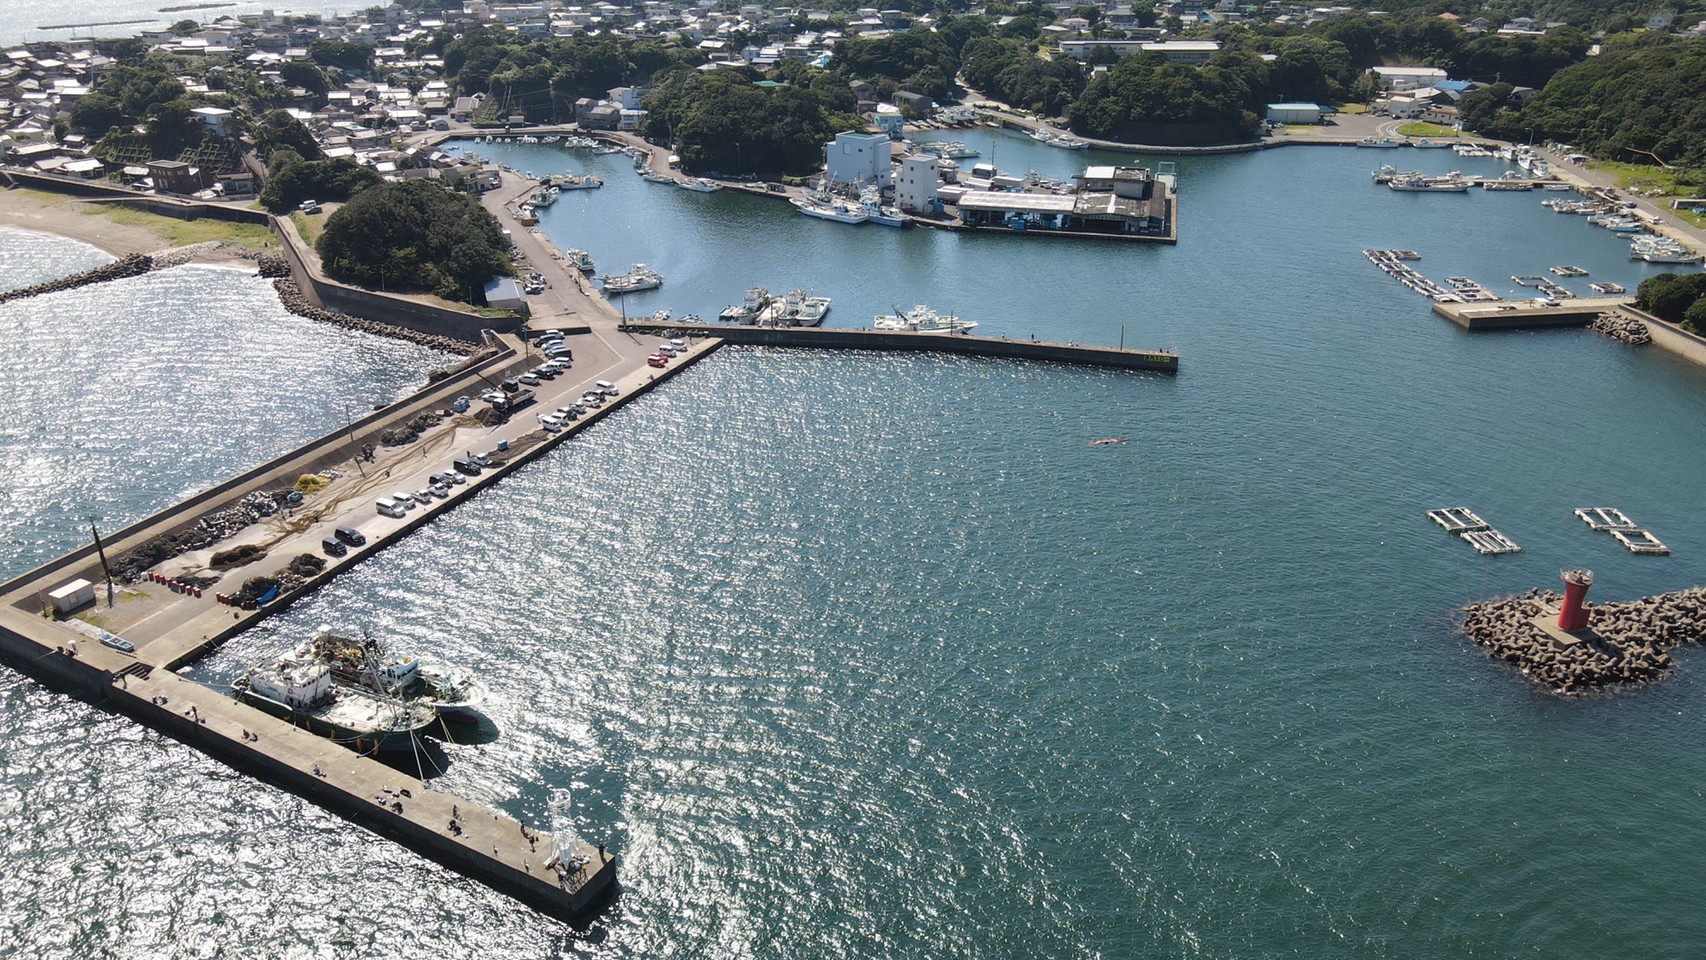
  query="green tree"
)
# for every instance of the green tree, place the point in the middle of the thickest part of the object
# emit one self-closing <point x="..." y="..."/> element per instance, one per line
<point x="1694" y="318"/>
<point x="415" y="236"/>
<point x="96" y="113"/>
<point x="1670" y="296"/>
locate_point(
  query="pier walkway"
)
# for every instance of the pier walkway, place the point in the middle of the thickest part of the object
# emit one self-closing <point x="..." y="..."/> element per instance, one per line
<point x="839" y="338"/>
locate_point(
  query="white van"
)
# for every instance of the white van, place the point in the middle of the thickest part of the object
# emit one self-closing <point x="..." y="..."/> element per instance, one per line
<point x="606" y="387"/>
<point x="388" y="507"/>
<point x="403" y="500"/>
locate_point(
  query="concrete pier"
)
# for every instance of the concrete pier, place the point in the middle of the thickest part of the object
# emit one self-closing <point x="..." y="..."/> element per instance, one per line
<point x="1527" y="314"/>
<point x="837" y="338"/>
<point x="170" y="628"/>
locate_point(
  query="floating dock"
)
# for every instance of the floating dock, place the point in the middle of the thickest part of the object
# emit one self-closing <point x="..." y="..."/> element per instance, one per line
<point x="838" y="338"/>
<point x="1622" y="529"/>
<point x="1489" y="541"/>
<point x="1640" y="541"/>
<point x="1457" y="519"/>
<point x="1605" y="518"/>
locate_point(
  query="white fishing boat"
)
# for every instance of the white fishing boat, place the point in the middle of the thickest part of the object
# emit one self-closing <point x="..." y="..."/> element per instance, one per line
<point x="1066" y="142"/>
<point x="699" y="185"/>
<point x="871" y="205"/>
<point x="579" y="259"/>
<point x="1420" y="184"/>
<point x="796" y="309"/>
<point x="583" y="182"/>
<point x="757" y="298"/>
<point x="545" y="197"/>
<point x="639" y="277"/>
<point x="921" y="319"/>
<point x="840" y="211"/>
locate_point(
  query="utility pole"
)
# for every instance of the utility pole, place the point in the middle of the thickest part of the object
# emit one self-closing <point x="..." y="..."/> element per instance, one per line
<point x="102" y="552"/>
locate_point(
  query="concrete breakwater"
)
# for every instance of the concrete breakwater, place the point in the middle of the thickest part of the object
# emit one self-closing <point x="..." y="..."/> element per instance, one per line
<point x="130" y="265"/>
<point x="1629" y="641"/>
<point x="1621" y="327"/>
<point x="291" y="298"/>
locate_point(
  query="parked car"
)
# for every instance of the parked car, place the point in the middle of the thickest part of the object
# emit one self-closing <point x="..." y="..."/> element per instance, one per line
<point x="333" y="547"/>
<point x="529" y="379"/>
<point x="404" y="500"/>
<point x="351" y="536"/>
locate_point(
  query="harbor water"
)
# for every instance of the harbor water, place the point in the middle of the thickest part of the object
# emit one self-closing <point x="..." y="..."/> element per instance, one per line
<point x="875" y="655"/>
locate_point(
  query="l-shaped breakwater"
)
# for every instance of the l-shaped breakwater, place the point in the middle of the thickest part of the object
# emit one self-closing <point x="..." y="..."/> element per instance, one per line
<point x="165" y="625"/>
<point x="842" y="338"/>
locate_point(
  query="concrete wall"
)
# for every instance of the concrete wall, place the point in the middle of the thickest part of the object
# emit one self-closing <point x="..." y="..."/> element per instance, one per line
<point x="329" y="294"/>
<point x="1670" y="337"/>
<point x="332" y="448"/>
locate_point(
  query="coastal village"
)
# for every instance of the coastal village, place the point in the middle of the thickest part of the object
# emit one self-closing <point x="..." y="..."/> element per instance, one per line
<point x="278" y="109"/>
<point x="391" y="102"/>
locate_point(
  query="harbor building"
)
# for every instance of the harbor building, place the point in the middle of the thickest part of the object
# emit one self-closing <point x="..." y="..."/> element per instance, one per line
<point x="915" y="188"/>
<point x="1122" y="201"/>
<point x="1294" y="113"/>
<point x="1190" y="52"/>
<point x="859" y="158"/>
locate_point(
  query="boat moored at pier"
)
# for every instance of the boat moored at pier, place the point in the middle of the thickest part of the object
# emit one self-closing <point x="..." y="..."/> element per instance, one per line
<point x="302" y="689"/>
<point x="921" y="319"/>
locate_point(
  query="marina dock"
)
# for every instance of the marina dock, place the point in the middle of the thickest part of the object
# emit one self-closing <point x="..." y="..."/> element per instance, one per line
<point x="835" y="338"/>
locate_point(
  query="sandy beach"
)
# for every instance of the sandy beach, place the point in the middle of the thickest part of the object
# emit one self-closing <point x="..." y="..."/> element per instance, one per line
<point x="73" y="218"/>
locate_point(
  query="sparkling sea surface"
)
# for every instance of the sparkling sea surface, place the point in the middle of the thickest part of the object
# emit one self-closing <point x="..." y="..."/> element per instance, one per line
<point x="872" y="655"/>
<point x="23" y="20"/>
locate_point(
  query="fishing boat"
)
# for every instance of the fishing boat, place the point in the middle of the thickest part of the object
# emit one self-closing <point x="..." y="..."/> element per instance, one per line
<point x="747" y="311"/>
<point x="639" y="277"/>
<point x="301" y="688"/>
<point x="1661" y="250"/>
<point x="365" y="663"/>
<point x="1420" y="184"/>
<point x="1426" y="144"/>
<point x="585" y="181"/>
<point x="1383" y="142"/>
<point x="839" y="211"/>
<point x="699" y="185"/>
<point x="1065" y="142"/>
<point x="949" y="149"/>
<point x="652" y="176"/>
<point x="545" y="197"/>
<point x="579" y="259"/>
<point x="921" y="319"/>
<point x="871" y="205"/>
<point x="796" y="309"/>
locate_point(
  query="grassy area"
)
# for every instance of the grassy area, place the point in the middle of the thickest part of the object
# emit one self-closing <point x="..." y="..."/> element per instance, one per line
<point x="308" y="227"/>
<point x="46" y="197"/>
<point x="1419" y="129"/>
<point x="1351" y="109"/>
<point x="181" y="233"/>
<point x="1306" y="130"/>
<point x="1646" y="180"/>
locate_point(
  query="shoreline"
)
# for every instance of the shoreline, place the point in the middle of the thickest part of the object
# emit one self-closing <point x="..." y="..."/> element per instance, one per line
<point x="23" y="212"/>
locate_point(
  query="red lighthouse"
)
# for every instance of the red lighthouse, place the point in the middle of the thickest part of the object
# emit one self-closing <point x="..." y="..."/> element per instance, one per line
<point x="1573" y="615"/>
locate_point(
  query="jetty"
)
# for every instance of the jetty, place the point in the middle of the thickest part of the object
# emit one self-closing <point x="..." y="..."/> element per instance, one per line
<point x="1620" y="644"/>
<point x="1529" y="314"/>
<point x="836" y="338"/>
<point x="119" y="642"/>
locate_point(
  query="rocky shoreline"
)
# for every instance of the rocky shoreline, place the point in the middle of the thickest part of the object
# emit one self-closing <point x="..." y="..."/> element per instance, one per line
<point x="1634" y="638"/>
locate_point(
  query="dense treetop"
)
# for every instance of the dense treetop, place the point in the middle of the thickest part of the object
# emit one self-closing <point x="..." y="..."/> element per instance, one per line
<point x="415" y="236"/>
<point x="723" y="121"/>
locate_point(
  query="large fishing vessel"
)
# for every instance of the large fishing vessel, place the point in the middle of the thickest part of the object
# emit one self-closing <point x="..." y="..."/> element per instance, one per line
<point x="841" y="211"/>
<point x="638" y="277"/>
<point x="923" y="320"/>
<point x="302" y="689"/>
<point x="364" y="662"/>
